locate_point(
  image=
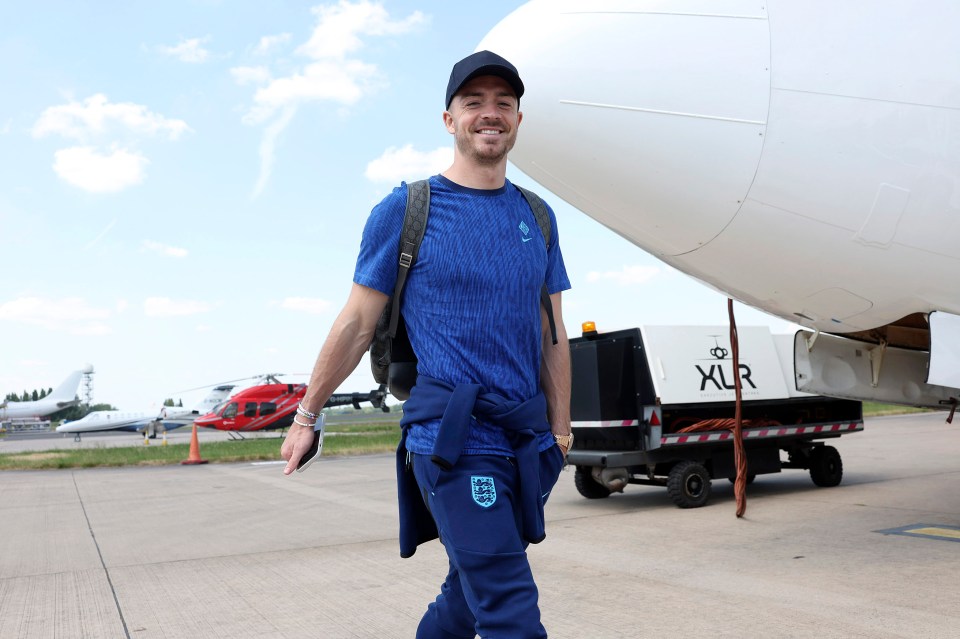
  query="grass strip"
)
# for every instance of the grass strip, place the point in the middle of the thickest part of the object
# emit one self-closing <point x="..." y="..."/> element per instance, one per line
<point x="352" y="440"/>
<point x="876" y="409"/>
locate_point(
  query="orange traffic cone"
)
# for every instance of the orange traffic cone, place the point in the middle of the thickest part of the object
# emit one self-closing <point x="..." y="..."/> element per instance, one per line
<point x="194" y="457"/>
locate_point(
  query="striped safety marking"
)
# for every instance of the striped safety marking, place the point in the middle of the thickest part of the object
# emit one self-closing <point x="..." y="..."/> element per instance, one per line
<point x="760" y="433"/>
<point x="610" y="424"/>
<point x="723" y="435"/>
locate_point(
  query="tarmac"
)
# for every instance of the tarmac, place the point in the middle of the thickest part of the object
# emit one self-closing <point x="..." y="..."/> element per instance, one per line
<point x="240" y="551"/>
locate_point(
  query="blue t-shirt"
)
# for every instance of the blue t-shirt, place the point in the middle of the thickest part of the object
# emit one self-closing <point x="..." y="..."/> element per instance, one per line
<point x="472" y="299"/>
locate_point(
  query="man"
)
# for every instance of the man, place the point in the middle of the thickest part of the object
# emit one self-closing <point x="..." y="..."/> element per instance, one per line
<point x="487" y="425"/>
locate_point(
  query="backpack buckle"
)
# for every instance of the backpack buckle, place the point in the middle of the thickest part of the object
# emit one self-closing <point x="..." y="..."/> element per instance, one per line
<point x="406" y="259"/>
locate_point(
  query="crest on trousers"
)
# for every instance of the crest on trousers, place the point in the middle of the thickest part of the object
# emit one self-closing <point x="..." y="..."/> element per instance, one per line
<point x="484" y="491"/>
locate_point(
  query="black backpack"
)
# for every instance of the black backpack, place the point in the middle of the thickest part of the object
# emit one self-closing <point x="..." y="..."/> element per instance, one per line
<point x="392" y="359"/>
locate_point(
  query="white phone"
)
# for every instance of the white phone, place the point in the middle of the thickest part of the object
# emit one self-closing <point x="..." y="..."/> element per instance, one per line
<point x="316" y="448"/>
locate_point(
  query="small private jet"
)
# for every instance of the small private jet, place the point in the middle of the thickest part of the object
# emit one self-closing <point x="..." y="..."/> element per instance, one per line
<point x="150" y="422"/>
<point x="63" y="396"/>
<point x="272" y="405"/>
<point x="800" y="157"/>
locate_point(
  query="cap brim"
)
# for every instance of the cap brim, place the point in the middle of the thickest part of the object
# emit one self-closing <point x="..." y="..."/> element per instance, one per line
<point x="510" y="77"/>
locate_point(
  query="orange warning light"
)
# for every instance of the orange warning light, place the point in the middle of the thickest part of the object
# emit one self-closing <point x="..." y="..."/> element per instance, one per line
<point x="589" y="328"/>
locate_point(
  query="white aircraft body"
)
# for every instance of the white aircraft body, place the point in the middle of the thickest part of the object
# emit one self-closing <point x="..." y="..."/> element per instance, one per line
<point x="164" y="419"/>
<point x="63" y="396"/>
<point x="800" y="157"/>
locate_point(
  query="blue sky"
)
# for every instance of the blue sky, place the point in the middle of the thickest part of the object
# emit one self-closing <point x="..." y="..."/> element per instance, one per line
<point x="183" y="186"/>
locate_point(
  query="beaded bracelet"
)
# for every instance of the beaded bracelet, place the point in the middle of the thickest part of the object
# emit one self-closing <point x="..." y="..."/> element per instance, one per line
<point x="299" y="423"/>
<point x="304" y="412"/>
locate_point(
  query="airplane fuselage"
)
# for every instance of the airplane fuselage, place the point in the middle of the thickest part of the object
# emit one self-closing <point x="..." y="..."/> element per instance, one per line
<point x="64" y="396"/>
<point x="169" y="417"/>
<point x="802" y="157"/>
<point x="134" y="421"/>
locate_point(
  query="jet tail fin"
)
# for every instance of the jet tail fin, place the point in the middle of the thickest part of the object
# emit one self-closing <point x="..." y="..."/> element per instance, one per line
<point x="217" y="395"/>
<point x="67" y="390"/>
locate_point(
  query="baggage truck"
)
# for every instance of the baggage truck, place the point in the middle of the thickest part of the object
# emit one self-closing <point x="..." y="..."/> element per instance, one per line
<point x="653" y="405"/>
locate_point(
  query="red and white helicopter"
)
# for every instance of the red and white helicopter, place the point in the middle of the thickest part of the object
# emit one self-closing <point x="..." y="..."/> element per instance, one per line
<point x="272" y="404"/>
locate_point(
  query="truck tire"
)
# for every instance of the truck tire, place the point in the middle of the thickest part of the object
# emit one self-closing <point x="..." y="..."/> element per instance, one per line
<point x="826" y="467"/>
<point x="587" y="486"/>
<point x="689" y="484"/>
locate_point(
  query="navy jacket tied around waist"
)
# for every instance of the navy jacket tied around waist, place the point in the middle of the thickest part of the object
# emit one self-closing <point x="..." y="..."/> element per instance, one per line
<point x="523" y="422"/>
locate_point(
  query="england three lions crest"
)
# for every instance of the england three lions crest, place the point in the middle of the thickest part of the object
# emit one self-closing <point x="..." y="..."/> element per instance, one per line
<point x="484" y="491"/>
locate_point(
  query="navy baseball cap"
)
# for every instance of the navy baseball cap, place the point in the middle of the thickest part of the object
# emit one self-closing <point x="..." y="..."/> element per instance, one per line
<point x="482" y="63"/>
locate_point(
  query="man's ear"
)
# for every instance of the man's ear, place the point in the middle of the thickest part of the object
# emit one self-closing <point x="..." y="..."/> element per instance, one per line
<point x="448" y="122"/>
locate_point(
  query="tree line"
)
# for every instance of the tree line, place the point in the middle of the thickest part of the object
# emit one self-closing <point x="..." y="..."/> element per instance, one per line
<point x="28" y="397"/>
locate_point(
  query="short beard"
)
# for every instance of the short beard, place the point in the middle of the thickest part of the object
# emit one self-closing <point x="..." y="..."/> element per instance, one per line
<point x="468" y="150"/>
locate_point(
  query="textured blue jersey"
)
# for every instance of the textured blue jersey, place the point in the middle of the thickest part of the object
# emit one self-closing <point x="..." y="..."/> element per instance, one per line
<point x="472" y="300"/>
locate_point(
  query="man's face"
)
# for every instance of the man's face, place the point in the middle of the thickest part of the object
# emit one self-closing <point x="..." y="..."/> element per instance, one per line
<point x="484" y="119"/>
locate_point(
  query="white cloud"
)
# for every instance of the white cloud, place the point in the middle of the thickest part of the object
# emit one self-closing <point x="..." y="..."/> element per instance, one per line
<point x="163" y="249"/>
<point x="6" y="126"/>
<point x="166" y="307"/>
<point x="268" y="147"/>
<point x="69" y="314"/>
<point x="312" y="305"/>
<point x="626" y="276"/>
<point x="190" y="50"/>
<point x="250" y="75"/>
<point x="95" y="169"/>
<point x="340" y="26"/>
<point x="95" y="115"/>
<point x="270" y="42"/>
<point x="342" y="82"/>
<point x="329" y="77"/>
<point x="88" y="169"/>
<point x="406" y="163"/>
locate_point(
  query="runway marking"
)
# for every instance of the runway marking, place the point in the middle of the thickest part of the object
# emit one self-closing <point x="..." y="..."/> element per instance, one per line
<point x="929" y="531"/>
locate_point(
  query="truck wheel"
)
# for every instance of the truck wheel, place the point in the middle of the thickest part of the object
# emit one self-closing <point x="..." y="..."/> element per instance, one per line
<point x="826" y="467"/>
<point x="587" y="486"/>
<point x="689" y="484"/>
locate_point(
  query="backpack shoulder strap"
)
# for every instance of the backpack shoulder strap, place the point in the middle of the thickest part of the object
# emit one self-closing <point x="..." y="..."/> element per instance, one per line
<point x="539" y="208"/>
<point x="540" y="212"/>
<point x="414" y="226"/>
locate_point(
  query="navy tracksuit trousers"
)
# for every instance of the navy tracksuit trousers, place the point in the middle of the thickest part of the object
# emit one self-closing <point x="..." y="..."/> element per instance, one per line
<point x="489" y="589"/>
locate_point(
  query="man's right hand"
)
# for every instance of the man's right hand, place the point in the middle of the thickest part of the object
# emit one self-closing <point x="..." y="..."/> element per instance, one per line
<point x="295" y="445"/>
